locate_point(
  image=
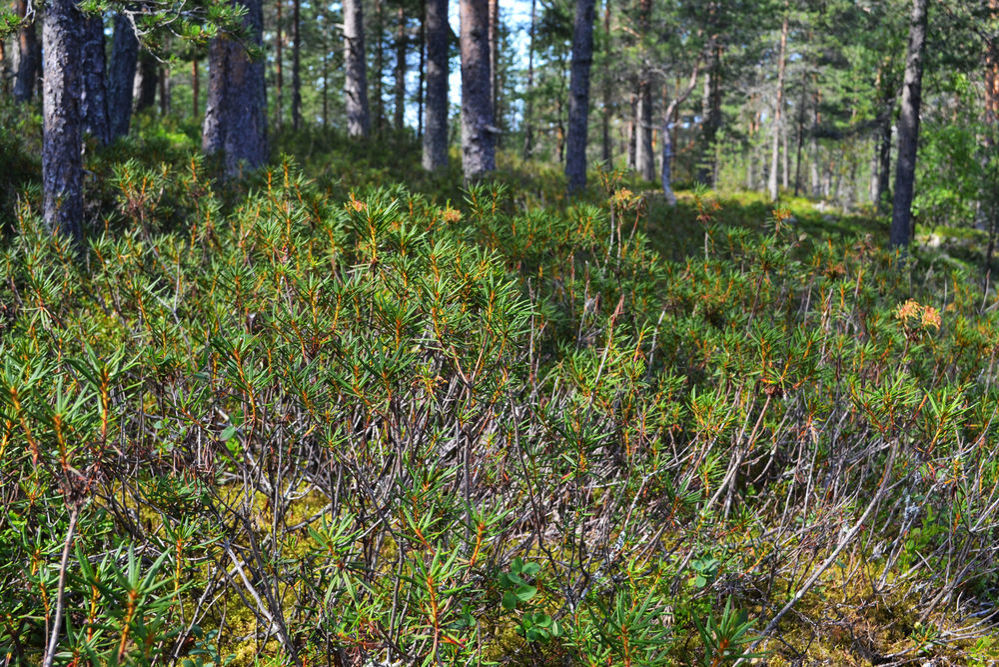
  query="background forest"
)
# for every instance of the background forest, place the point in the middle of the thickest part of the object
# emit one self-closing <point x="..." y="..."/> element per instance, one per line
<point x="524" y="332"/>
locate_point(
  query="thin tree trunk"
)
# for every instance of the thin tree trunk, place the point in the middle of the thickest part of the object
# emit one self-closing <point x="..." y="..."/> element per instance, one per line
<point x="420" y="92"/>
<point x="435" y="134"/>
<point x="164" y="80"/>
<point x="195" y="89"/>
<point x="379" y="66"/>
<point x="124" y="58"/>
<point x="236" y="114"/>
<point x="326" y="84"/>
<point x="146" y="82"/>
<point x="529" y="104"/>
<point x="494" y="86"/>
<point x="62" y="164"/>
<point x="296" y="65"/>
<point x="399" y="110"/>
<point x="633" y="131"/>
<point x="908" y="128"/>
<point x="477" y="131"/>
<point x="778" y="110"/>
<point x="711" y="113"/>
<point x="644" y="160"/>
<point x="4" y="68"/>
<point x="605" y="121"/>
<point x="27" y="63"/>
<point x="800" y="138"/>
<point x="279" y="64"/>
<point x="94" y="85"/>
<point x="667" y="134"/>
<point x="579" y="95"/>
<point x="814" y="147"/>
<point x="355" y="70"/>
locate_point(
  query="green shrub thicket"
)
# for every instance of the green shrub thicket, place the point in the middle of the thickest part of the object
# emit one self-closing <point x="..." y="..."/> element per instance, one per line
<point x="308" y="428"/>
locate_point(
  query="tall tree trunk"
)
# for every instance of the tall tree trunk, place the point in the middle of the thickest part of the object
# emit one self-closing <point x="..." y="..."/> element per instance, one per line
<point x="399" y="109"/>
<point x="95" y="99"/>
<point x="326" y="84"/>
<point x="477" y="131"/>
<point x="4" y="68"/>
<point x="279" y="63"/>
<point x="420" y="86"/>
<point x="435" y="135"/>
<point x="27" y="63"/>
<point x="990" y="205"/>
<point x="146" y="81"/>
<point x="667" y="134"/>
<point x="379" y="66"/>
<point x="494" y="100"/>
<point x="165" y="90"/>
<point x="800" y="137"/>
<point x="62" y="164"/>
<point x="908" y="128"/>
<point x="579" y="94"/>
<point x="236" y="115"/>
<point x="296" y="65"/>
<point x="644" y="160"/>
<point x="778" y="110"/>
<point x="124" y="57"/>
<point x="888" y="101"/>
<point x="711" y="113"/>
<point x="605" y="111"/>
<point x="195" y="89"/>
<point x="529" y="104"/>
<point x="355" y="70"/>
<point x="632" y="131"/>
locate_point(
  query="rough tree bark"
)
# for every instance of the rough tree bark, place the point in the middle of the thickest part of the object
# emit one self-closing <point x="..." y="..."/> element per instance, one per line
<point x="62" y="165"/>
<point x="477" y="131"/>
<point x="399" y="108"/>
<point x="279" y="63"/>
<point x="95" y="99"/>
<point x="236" y="114"/>
<point x="28" y="64"/>
<point x="124" y="57"/>
<point x="296" y="65"/>
<point x="605" y="121"/>
<point x="645" y="163"/>
<point x="778" y="111"/>
<point x="147" y="79"/>
<point x="379" y="98"/>
<point x="494" y="60"/>
<point x="355" y="70"/>
<point x="579" y="95"/>
<point x="435" y="133"/>
<point x="908" y="128"/>
<point x="529" y="102"/>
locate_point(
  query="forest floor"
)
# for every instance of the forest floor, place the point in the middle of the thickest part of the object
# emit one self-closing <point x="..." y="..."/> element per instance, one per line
<point x="344" y="412"/>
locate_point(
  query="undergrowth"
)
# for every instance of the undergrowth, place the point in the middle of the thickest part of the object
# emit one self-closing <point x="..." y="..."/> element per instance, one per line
<point x="319" y="422"/>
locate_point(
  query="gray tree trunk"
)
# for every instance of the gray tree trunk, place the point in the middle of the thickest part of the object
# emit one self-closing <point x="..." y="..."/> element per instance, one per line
<point x="296" y="65"/>
<point x="95" y="98"/>
<point x="605" y="148"/>
<point x="236" y="114"/>
<point x="124" y="57"/>
<point x="28" y="64"/>
<point x="778" y="112"/>
<point x="529" y="102"/>
<point x="477" y="131"/>
<point x="399" y="108"/>
<point x="579" y="95"/>
<point x="355" y="70"/>
<point x="435" y="133"/>
<point x="62" y="165"/>
<point x="908" y="128"/>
